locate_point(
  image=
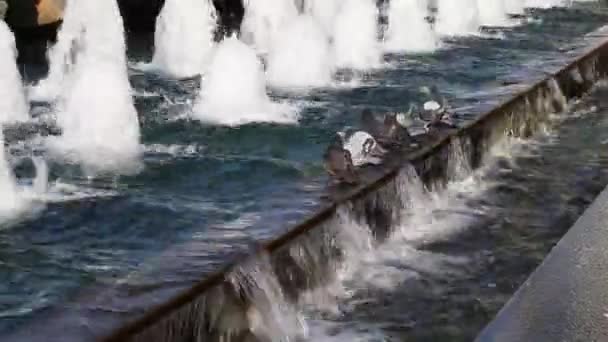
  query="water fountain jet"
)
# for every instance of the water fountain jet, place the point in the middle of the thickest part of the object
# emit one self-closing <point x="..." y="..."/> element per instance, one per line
<point x="183" y="38"/>
<point x="13" y="105"/>
<point x="408" y="29"/>
<point x="264" y="19"/>
<point x="457" y="17"/>
<point x="355" y="35"/>
<point x="99" y="123"/>
<point x="233" y="91"/>
<point x="300" y="55"/>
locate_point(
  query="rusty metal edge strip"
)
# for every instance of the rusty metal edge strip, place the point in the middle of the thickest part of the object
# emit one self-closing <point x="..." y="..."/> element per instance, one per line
<point x="215" y="278"/>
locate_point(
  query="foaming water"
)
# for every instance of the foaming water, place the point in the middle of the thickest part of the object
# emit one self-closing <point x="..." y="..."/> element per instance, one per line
<point x="233" y="91"/>
<point x="408" y="29"/>
<point x="264" y="19"/>
<point x="546" y="3"/>
<point x="300" y="55"/>
<point x="324" y="11"/>
<point x="183" y="39"/>
<point x="99" y="123"/>
<point x="493" y="12"/>
<point x="457" y="17"/>
<point x="13" y="106"/>
<point x="426" y="216"/>
<point x="61" y="56"/>
<point x="17" y="200"/>
<point x="359" y="51"/>
<point x="516" y="7"/>
<point x="11" y="200"/>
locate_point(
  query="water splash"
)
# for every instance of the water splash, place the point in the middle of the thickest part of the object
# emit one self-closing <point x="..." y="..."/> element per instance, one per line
<point x="300" y="55"/>
<point x="546" y="3"/>
<point x="62" y="55"/>
<point x="10" y="201"/>
<point x="324" y="11"/>
<point x="516" y="7"/>
<point x="355" y="35"/>
<point x="234" y="91"/>
<point x="100" y="127"/>
<point x="408" y="29"/>
<point x="17" y="200"/>
<point x="13" y="105"/>
<point x="183" y="38"/>
<point x="493" y="12"/>
<point x="264" y="19"/>
<point x="457" y="17"/>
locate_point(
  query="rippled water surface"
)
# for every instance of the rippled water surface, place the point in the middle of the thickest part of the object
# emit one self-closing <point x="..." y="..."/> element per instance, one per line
<point x="207" y="193"/>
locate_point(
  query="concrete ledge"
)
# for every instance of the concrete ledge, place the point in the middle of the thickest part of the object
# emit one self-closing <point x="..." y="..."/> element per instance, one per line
<point x="566" y="298"/>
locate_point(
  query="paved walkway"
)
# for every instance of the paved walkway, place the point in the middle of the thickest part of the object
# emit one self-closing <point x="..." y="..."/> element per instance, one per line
<point x="566" y="298"/>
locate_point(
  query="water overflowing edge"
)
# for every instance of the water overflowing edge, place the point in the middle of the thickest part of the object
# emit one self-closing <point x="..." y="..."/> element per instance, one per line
<point x="258" y="287"/>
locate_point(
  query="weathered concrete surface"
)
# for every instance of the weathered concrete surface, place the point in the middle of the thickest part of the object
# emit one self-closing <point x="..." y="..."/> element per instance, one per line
<point x="566" y="298"/>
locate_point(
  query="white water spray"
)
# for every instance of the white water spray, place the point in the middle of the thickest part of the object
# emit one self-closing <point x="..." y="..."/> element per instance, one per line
<point x="493" y="12"/>
<point x="10" y="200"/>
<point x="13" y="105"/>
<point x="300" y="55"/>
<point x="234" y="91"/>
<point x="355" y="35"/>
<point x="183" y="38"/>
<point x="324" y="11"/>
<point x="408" y="29"/>
<point x="62" y="55"/>
<point x="100" y="128"/>
<point x="516" y="7"/>
<point x="264" y="19"/>
<point x="457" y="17"/>
<point x="546" y="3"/>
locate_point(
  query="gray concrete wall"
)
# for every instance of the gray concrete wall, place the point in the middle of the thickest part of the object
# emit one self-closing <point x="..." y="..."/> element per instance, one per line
<point x="566" y="298"/>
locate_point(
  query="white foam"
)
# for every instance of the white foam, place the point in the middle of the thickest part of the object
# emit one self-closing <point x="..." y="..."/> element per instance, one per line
<point x="355" y="33"/>
<point x="457" y="17"/>
<point x="183" y="38"/>
<point x="100" y="127"/>
<point x="546" y="3"/>
<point x="233" y="91"/>
<point x="493" y="13"/>
<point x="17" y="200"/>
<point x="515" y="6"/>
<point x="62" y="55"/>
<point x="13" y="105"/>
<point x="324" y="11"/>
<point x="264" y="19"/>
<point x="408" y="29"/>
<point x="300" y="55"/>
